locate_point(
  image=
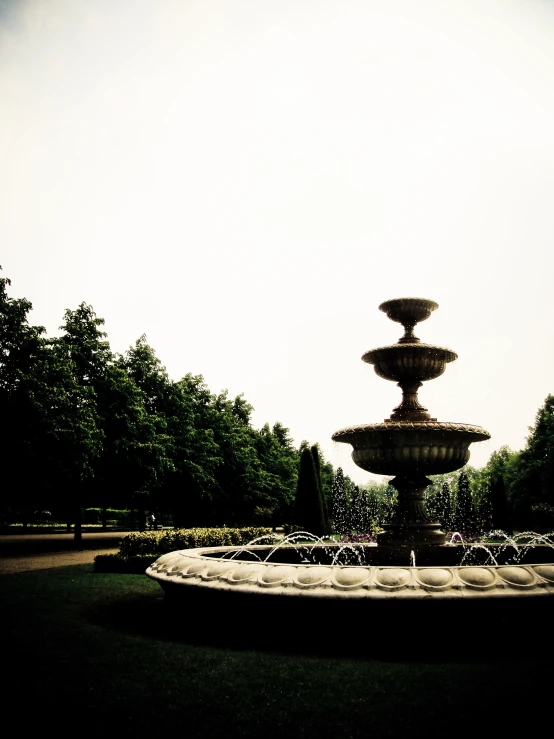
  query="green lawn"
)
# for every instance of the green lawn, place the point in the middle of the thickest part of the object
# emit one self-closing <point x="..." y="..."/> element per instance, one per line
<point x="102" y="650"/>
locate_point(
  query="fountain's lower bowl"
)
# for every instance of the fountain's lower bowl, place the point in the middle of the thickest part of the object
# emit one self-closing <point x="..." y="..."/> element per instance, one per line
<point x="404" y="447"/>
<point x="382" y="608"/>
<point x="384" y="573"/>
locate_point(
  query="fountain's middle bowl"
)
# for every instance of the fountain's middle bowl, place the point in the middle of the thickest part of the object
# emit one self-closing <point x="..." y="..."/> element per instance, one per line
<point x="406" y="362"/>
<point x="410" y="448"/>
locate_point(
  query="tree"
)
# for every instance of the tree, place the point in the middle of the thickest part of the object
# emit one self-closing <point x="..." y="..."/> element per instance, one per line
<point x="90" y="356"/>
<point x="340" y="510"/>
<point x="464" y="518"/>
<point x="380" y="502"/>
<point x="190" y="490"/>
<point x="499" y="505"/>
<point x="86" y="345"/>
<point x="443" y="507"/>
<point x="49" y="434"/>
<point x="317" y="465"/>
<point x="239" y="476"/>
<point x="20" y="345"/>
<point x="134" y="452"/>
<point x="156" y="454"/>
<point x="279" y="471"/>
<point x="136" y="455"/>
<point x="70" y="428"/>
<point x="502" y="463"/>
<point x="358" y="511"/>
<point x="308" y="504"/>
<point x="532" y="490"/>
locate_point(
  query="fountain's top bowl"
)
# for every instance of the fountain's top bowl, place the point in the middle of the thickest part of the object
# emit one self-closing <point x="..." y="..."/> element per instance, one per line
<point x="408" y="310"/>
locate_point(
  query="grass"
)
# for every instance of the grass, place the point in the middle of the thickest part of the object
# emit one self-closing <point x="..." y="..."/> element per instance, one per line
<point x="105" y="652"/>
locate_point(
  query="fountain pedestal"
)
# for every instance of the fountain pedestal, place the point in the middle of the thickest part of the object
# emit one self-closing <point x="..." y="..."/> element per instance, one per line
<point x="411" y="525"/>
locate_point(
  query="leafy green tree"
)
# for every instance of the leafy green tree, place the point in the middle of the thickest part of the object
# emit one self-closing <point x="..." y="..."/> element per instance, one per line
<point x="190" y="489"/>
<point x="159" y="451"/>
<point x="308" y="505"/>
<point x="86" y="344"/>
<point x="531" y="493"/>
<point x="20" y="346"/>
<point x="464" y="517"/>
<point x="134" y="455"/>
<point x="317" y="465"/>
<point x="137" y="449"/>
<point x="86" y="348"/>
<point x="499" y="505"/>
<point x="341" y="509"/>
<point x="239" y="476"/>
<point x="49" y="435"/>
<point x="19" y="341"/>
<point x="70" y="428"/>
<point x="358" y="512"/>
<point x="279" y="471"/>
<point x="502" y="463"/>
<point x="434" y="495"/>
<point x="443" y="507"/>
<point x="376" y="502"/>
<point x="373" y="509"/>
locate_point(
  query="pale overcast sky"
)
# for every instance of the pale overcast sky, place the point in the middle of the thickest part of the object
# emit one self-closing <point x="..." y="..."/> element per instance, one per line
<point x="245" y="181"/>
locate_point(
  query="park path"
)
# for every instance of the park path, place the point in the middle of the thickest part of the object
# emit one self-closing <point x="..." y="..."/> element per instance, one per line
<point x="27" y="552"/>
<point x="48" y="560"/>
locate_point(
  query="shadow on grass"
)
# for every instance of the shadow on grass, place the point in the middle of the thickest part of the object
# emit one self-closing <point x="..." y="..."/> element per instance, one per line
<point x="399" y="632"/>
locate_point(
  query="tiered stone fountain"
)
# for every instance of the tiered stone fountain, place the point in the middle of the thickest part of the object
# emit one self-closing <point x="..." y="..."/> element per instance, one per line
<point x="411" y="567"/>
<point x="410" y="444"/>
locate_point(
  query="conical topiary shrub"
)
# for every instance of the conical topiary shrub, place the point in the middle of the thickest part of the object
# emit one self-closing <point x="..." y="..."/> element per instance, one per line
<point x="317" y="465"/>
<point x="308" y="503"/>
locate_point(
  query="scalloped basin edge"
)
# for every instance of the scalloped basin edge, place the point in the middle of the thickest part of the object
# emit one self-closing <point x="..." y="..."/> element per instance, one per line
<point x="209" y="569"/>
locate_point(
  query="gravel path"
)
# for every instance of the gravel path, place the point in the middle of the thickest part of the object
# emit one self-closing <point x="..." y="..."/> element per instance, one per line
<point x="26" y="552"/>
<point x="48" y="560"/>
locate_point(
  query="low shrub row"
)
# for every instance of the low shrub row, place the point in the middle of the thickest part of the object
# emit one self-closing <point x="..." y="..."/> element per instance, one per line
<point x="114" y="516"/>
<point x="161" y="542"/>
<point x="115" y="563"/>
<point x="139" y="550"/>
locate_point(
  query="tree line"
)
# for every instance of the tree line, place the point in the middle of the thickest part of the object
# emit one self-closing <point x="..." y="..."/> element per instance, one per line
<point x="83" y="427"/>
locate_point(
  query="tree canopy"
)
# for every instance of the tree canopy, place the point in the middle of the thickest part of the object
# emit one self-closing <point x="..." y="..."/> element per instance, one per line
<point x="83" y="426"/>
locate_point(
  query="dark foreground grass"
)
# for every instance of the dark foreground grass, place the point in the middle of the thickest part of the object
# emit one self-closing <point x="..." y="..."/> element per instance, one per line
<point x="105" y="653"/>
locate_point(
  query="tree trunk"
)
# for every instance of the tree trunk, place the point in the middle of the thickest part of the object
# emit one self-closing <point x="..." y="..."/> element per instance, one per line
<point x="142" y="519"/>
<point x="78" y="532"/>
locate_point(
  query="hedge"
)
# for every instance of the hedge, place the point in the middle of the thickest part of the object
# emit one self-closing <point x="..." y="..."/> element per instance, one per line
<point x="115" y="563"/>
<point x="138" y="551"/>
<point x="161" y="542"/>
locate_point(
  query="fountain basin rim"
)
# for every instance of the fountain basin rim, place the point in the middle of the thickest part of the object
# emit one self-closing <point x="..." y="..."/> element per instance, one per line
<point x="402" y="426"/>
<point x="199" y="568"/>
<point x="372" y="355"/>
<point x="398" y="306"/>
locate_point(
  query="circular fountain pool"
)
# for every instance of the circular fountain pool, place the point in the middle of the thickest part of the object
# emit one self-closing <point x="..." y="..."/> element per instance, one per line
<point x="368" y="573"/>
